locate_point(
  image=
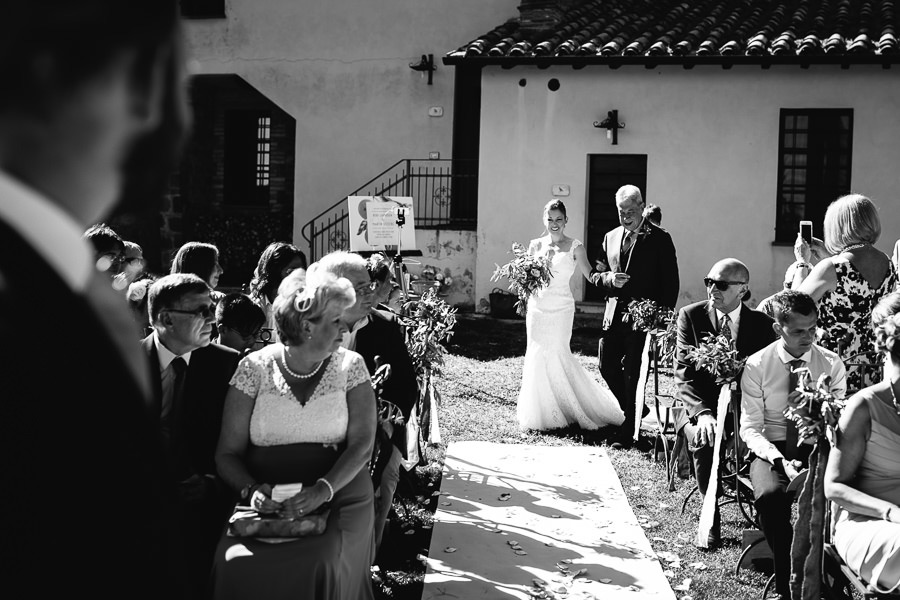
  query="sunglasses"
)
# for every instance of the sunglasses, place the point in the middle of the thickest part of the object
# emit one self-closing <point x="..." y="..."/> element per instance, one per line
<point x="204" y="311"/>
<point x="366" y="289"/>
<point x="720" y="285"/>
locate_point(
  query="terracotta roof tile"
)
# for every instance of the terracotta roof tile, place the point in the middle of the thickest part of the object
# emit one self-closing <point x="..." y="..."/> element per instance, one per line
<point x="632" y="31"/>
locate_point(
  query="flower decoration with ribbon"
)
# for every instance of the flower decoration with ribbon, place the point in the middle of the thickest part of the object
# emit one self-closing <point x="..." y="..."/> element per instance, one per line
<point x="304" y="298"/>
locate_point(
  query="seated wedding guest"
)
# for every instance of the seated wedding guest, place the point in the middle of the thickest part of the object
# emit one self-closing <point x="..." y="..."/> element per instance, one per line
<point x="132" y="266"/>
<point x="301" y="411"/>
<point x="109" y="248"/>
<point x="275" y="263"/>
<point x="84" y="84"/>
<point x="238" y="321"/>
<point x="379" y="338"/>
<point x="863" y="473"/>
<point x="847" y="285"/>
<point x="768" y="387"/>
<point x="202" y="260"/>
<point x="722" y="312"/>
<point x="191" y="379"/>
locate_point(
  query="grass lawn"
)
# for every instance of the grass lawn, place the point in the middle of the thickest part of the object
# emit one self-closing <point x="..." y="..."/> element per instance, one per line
<point x="478" y="392"/>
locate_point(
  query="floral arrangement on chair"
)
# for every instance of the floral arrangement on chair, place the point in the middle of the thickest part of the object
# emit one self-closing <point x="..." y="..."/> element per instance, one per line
<point x="527" y="273"/>
<point x="718" y="355"/>
<point x="815" y="411"/>
<point x="428" y="321"/>
<point x="659" y="321"/>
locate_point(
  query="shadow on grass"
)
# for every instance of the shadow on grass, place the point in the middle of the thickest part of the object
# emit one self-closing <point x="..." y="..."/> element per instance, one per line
<point x="482" y="337"/>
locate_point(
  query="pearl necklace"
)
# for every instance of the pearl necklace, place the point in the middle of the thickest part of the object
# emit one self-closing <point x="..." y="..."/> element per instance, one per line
<point x="295" y="374"/>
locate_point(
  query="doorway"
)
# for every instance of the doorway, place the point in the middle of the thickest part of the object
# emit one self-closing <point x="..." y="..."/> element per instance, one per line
<point x="606" y="174"/>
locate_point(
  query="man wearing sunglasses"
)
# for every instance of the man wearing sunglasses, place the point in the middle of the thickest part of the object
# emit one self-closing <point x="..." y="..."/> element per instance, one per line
<point x="723" y="312"/>
<point x="191" y="377"/>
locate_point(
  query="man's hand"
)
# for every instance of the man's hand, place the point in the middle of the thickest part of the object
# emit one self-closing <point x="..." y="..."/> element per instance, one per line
<point x="616" y="280"/>
<point x="792" y="468"/>
<point x="706" y="430"/>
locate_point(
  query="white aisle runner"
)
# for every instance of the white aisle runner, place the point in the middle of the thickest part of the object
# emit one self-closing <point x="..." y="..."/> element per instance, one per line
<point x="519" y="521"/>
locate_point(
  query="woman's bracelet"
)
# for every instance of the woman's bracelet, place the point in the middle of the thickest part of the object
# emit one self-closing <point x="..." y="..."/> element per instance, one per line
<point x="330" y="488"/>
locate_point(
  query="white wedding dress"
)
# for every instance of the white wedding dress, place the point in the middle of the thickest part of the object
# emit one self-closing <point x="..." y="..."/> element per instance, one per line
<point x="556" y="390"/>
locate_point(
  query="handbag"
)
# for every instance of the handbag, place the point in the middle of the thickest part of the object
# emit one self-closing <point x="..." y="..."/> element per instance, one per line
<point x="246" y="522"/>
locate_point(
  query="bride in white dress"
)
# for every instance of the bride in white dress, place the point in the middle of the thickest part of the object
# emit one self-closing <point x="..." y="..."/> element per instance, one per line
<point x="556" y="390"/>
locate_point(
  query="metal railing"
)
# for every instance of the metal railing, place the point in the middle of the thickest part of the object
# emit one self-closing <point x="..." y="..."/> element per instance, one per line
<point x="444" y="193"/>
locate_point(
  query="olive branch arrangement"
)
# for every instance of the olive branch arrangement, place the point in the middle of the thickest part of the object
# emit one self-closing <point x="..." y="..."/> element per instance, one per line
<point x="718" y="355"/>
<point x="527" y="273"/>
<point x="647" y="315"/>
<point x="814" y="409"/>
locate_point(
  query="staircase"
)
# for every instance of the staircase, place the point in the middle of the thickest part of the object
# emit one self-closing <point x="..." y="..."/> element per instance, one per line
<point x="444" y="193"/>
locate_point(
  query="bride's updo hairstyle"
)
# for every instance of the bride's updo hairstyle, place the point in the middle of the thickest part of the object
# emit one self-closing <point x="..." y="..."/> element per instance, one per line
<point x="301" y="298"/>
<point x="886" y="325"/>
<point x="555" y="204"/>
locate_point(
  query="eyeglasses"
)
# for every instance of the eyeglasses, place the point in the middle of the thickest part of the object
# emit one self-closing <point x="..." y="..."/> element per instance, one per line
<point x="367" y="288"/>
<point x="720" y="285"/>
<point x="204" y="311"/>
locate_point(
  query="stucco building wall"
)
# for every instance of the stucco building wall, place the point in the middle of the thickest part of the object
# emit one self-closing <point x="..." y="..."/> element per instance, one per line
<point x="711" y="138"/>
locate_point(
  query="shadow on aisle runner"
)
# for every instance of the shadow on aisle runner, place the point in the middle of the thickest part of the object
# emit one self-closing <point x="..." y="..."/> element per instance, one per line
<point x="520" y="521"/>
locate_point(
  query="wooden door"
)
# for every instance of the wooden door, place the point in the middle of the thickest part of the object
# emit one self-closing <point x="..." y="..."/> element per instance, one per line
<point x="606" y="174"/>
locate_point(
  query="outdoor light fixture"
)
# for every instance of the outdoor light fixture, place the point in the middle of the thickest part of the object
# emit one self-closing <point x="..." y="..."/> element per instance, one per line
<point x="612" y="126"/>
<point x="426" y="63"/>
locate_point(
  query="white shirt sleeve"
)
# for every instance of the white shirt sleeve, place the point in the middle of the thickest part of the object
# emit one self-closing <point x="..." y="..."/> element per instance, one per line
<point x="753" y="414"/>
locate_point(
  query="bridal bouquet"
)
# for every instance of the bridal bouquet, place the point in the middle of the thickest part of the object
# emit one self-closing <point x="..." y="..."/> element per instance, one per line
<point x="527" y="273"/>
<point x="815" y="410"/>
<point x="717" y="354"/>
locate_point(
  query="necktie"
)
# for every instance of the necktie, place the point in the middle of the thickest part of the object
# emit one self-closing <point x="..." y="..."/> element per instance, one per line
<point x="725" y="329"/>
<point x="792" y="436"/>
<point x="176" y="412"/>
<point x="627" y="242"/>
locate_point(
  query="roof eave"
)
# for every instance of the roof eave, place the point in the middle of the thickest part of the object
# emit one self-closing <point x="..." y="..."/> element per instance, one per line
<point x="651" y="62"/>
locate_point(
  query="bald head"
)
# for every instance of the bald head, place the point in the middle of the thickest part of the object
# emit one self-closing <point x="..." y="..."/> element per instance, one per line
<point x="734" y="275"/>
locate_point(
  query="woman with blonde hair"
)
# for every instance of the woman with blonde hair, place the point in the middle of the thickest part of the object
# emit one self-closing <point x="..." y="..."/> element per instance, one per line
<point x="301" y="411"/>
<point x="847" y="285"/>
<point x="863" y="473"/>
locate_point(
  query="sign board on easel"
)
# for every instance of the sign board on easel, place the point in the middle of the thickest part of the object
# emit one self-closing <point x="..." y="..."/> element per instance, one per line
<point x="373" y="223"/>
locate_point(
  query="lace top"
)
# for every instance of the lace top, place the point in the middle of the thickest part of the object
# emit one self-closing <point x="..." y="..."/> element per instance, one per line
<point x="845" y="312"/>
<point x="279" y="418"/>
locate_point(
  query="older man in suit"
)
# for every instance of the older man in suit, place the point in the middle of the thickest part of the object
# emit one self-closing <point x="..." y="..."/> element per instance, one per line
<point x="643" y="265"/>
<point x="191" y="377"/>
<point x="84" y="84"/>
<point x="723" y="312"/>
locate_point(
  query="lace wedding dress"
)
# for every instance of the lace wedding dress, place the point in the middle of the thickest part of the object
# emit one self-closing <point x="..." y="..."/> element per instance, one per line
<point x="556" y="390"/>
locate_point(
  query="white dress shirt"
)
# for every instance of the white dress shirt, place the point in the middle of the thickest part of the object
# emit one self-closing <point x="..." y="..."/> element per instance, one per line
<point x="764" y="393"/>
<point x="735" y="317"/>
<point x="167" y="375"/>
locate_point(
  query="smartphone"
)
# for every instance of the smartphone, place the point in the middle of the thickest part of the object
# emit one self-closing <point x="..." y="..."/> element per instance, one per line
<point x="806" y="231"/>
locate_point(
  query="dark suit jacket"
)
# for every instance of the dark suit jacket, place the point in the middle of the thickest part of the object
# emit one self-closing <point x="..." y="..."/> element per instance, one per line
<point x="208" y="374"/>
<point x="697" y="388"/>
<point x="383" y="336"/>
<point x="653" y="267"/>
<point x="75" y="423"/>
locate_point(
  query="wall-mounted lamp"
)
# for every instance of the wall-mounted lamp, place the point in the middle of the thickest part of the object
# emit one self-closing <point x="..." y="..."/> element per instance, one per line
<point x="612" y="126"/>
<point x="426" y="63"/>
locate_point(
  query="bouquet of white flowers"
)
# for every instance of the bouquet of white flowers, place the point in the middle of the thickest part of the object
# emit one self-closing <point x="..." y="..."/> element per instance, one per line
<point x="527" y="273"/>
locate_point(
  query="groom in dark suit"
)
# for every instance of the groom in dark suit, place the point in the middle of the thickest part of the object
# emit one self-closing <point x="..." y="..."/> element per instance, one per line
<point x="722" y="312"/>
<point x="190" y="380"/>
<point x="84" y="84"/>
<point x="642" y="265"/>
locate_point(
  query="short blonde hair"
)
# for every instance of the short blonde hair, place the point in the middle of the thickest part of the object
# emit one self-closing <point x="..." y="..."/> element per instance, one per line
<point x="851" y="219"/>
<point x="886" y="325"/>
<point x="299" y="300"/>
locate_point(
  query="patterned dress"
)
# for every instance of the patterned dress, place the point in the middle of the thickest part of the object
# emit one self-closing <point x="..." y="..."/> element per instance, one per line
<point x="844" y="318"/>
